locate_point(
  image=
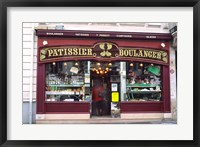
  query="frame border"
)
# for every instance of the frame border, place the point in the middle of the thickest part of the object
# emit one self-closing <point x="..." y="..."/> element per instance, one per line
<point x="97" y="3"/>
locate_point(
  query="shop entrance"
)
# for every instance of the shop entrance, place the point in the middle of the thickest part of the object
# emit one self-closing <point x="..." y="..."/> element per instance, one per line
<point x="102" y="74"/>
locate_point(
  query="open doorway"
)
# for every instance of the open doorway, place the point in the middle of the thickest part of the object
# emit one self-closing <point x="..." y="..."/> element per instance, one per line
<point x="101" y="74"/>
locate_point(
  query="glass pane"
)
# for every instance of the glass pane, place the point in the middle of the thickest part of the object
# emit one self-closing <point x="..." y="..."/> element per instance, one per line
<point x="143" y="82"/>
<point x="65" y="81"/>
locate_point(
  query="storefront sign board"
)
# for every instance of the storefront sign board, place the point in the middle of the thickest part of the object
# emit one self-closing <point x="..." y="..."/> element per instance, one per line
<point x="102" y="51"/>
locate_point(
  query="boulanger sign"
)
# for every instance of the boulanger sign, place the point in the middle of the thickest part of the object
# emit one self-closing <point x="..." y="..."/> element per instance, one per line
<point x="104" y="51"/>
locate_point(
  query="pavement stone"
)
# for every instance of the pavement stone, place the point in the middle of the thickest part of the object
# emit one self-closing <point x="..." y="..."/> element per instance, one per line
<point x="101" y="120"/>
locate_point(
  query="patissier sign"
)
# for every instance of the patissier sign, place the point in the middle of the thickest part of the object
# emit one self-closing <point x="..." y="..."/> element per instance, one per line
<point x="102" y="51"/>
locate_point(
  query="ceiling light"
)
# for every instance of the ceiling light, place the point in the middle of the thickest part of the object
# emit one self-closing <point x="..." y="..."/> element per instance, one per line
<point x="76" y="63"/>
<point x="65" y="63"/>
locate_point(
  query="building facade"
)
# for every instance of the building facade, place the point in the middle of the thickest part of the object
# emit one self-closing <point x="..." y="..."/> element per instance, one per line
<point x="135" y="62"/>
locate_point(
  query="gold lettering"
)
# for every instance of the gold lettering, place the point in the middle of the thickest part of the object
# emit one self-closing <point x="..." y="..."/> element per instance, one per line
<point x="159" y="55"/>
<point x="60" y="51"/>
<point x="69" y="51"/>
<point x="55" y="53"/>
<point x="120" y="52"/>
<point x="126" y="53"/>
<point x="154" y="54"/>
<point x="145" y="53"/>
<point x="65" y="52"/>
<point x="50" y="52"/>
<point x="140" y="53"/>
<point x="89" y="51"/>
<point x="75" y="51"/>
<point x="130" y="52"/>
<point x="83" y="52"/>
<point x="79" y="51"/>
<point x="150" y="54"/>
<point x="135" y="53"/>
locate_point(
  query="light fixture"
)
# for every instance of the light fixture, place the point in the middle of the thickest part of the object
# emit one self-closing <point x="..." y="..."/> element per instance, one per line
<point x="44" y="42"/>
<point x="107" y="68"/>
<point x="101" y="72"/>
<point x="97" y="72"/>
<point x="131" y="64"/>
<point x="109" y="64"/>
<point x="141" y="64"/>
<point x="99" y="68"/>
<point x="110" y="69"/>
<point x="162" y="44"/>
<point x="65" y="63"/>
<point x="98" y="64"/>
<point x="76" y="63"/>
<point x="151" y="64"/>
<point x="54" y="63"/>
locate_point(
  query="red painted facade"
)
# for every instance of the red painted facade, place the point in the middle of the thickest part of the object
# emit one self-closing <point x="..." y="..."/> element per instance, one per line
<point x="138" y="40"/>
<point x="147" y="107"/>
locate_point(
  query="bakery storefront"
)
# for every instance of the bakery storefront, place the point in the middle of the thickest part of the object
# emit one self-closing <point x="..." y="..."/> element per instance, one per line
<point x="133" y="67"/>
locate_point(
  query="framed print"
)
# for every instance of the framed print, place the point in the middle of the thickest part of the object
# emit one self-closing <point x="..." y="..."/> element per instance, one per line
<point x="121" y="73"/>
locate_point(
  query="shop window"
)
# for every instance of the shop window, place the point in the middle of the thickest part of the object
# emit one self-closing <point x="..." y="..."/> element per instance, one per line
<point x="143" y="82"/>
<point x="65" y="81"/>
<point x="105" y="68"/>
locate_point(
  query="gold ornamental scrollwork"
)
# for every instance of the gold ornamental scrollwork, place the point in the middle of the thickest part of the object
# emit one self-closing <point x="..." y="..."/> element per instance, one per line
<point x="103" y="53"/>
<point x="94" y="54"/>
<point x="164" y="56"/>
<point x="43" y="53"/>
<point x="108" y="54"/>
<point x="105" y="47"/>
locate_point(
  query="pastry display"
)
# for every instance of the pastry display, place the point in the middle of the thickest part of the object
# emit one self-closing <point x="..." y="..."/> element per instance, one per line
<point x="144" y="84"/>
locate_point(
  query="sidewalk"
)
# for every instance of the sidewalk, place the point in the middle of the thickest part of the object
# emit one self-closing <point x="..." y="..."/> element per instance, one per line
<point x="108" y="120"/>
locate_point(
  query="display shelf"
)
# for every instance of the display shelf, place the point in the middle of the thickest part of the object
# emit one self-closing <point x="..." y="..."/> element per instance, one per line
<point x="87" y="85"/>
<point x="67" y="102"/>
<point x="69" y="85"/>
<point x="137" y="101"/>
<point x="62" y="93"/>
<point x="143" y="92"/>
<point x="143" y="101"/>
<point x="141" y="85"/>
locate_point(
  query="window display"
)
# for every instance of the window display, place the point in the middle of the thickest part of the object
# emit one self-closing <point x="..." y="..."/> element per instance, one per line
<point x="65" y="81"/>
<point x="143" y="82"/>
